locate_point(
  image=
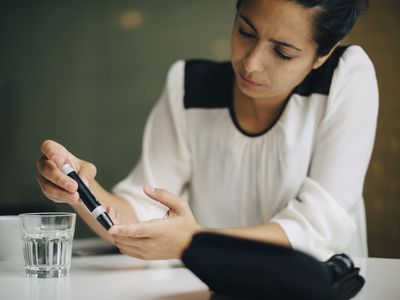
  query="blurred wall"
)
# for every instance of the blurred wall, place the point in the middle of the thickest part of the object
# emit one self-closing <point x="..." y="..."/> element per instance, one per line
<point x="379" y="33"/>
<point x="86" y="73"/>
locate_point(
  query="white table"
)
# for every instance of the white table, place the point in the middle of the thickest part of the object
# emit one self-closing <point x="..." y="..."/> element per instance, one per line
<point x="117" y="277"/>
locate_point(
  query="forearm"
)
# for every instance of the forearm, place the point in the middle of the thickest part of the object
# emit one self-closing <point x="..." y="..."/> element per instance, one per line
<point x="269" y="233"/>
<point x="106" y="198"/>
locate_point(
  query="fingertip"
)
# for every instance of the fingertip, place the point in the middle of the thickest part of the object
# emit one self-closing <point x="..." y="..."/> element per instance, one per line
<point x="75" y="203"/>
<point x="148" y="189"/>
<point x="45" y="146"/>
<point x="113" y="230"/>
<point x="71" y="186"/>
<point x="76" y="198"/>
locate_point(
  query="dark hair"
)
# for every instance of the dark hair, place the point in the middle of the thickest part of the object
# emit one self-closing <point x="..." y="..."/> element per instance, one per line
<point x="333" y="19"/>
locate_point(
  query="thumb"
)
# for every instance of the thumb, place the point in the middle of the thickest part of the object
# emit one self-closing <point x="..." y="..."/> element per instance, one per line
<point x="87" y="172"/>
<point x="170" y="200"/>
<point x="114" y="215"/>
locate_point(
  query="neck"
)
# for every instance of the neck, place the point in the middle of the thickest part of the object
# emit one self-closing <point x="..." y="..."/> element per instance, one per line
<point x="259" y="106"/>
<point x="256" y="114"/>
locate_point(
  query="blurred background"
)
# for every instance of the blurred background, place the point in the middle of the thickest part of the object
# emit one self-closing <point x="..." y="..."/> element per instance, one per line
<point x="87" y="73"/>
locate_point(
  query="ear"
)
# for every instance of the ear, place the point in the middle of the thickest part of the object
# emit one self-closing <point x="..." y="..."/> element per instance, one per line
<point x="322" y="59"/>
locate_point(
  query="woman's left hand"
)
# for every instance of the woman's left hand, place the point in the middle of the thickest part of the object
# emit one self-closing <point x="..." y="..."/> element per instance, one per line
<point x="159" y="238"/>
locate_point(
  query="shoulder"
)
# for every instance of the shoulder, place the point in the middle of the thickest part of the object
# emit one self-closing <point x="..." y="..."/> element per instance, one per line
<point x="354" y="67"/>
<point x="355" y="58"/>
<point x="175" y="75"/>
<point x="345" y="63"/>
<point x="354" y="89"/>
<point x="200" y="83"/>
<point x="207" y="84"/>
<point x="355" y="76"/>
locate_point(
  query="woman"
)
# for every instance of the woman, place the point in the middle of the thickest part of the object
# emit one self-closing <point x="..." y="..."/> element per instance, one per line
<point x="272" y="146"/>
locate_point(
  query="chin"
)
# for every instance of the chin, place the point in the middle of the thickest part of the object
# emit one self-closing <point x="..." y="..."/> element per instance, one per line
<point x="253" y="92"/>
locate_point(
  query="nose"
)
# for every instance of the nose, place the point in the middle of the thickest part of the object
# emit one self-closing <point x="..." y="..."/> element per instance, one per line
<point x="253" y="61"/>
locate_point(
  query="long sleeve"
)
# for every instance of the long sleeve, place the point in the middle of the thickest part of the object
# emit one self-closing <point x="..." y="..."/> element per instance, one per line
<point x="165" y="158"/>
<point x="322" y="219"/>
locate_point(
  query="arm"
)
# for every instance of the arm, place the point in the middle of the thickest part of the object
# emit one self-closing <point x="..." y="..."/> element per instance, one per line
<point x="269" y="233"/>
<point x="326" y="213"/>
<point x="165" y="160"/>
<point x="321" y="219"/>
<point x="107" y="199"/>
<point x="59" y="188"/>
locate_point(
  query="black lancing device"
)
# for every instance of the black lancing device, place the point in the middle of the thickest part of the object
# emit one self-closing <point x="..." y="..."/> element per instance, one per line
<point x="95" y="208"/>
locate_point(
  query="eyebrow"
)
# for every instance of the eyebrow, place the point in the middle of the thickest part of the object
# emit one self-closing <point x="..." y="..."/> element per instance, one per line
<point x="281" y="43"/>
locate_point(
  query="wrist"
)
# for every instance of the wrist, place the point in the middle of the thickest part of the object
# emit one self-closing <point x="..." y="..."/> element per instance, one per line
<point x="196" y="228"/>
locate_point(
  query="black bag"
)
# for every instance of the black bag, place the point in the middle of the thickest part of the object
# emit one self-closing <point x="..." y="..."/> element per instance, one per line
<point x="246" y="269"/>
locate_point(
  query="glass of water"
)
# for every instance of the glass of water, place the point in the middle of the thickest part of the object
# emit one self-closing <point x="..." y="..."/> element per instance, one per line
<point x="47" y="243"/>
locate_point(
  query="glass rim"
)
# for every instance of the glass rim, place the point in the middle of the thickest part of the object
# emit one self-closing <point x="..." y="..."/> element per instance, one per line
<point x="48" y="214"/>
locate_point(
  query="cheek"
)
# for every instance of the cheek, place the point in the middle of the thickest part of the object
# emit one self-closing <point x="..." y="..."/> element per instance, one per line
<point x="295" y="72"/>
<point x="238" y="50"/>
<point x="282" y="78"/>
<point x="287" y="77"/>
<point x="285" y="74"/>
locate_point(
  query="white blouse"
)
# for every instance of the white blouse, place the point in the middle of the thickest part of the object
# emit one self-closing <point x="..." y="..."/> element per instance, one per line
<point x="306" y="172"/>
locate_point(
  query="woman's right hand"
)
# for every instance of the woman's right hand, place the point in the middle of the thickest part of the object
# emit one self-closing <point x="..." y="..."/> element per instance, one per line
<point x="56" y="185"/>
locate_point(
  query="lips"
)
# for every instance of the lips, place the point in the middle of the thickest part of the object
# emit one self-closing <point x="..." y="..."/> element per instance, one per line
<point x="247" y="81"/>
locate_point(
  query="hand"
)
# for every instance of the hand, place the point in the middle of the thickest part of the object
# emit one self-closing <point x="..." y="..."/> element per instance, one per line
<point x="56" y="185"/>
<point x="114" y="215"/>
<point x="159" y="238"/>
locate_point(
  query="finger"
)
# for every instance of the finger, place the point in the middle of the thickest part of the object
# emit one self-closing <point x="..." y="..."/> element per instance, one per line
<point x="55" y="193"/>
<point x="87" y="171"/>
<point x="114" y="215"/>
<point x="131" y="230"/>
<point x="134" y="252"/>
<point x="170" y="200"/>
<point x="119" y="218"/>
<point x="129" y="241"/>
<point x="56" y="152"/>
<point x="52" y="173"/>
<point x="144" y="229"/>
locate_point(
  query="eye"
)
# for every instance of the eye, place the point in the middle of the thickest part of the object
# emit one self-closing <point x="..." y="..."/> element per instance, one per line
<point x="246" y="34"/>
<point x="282" y="56"/>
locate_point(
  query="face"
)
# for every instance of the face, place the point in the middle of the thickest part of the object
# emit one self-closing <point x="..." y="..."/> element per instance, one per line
<point x="272" y="47"/>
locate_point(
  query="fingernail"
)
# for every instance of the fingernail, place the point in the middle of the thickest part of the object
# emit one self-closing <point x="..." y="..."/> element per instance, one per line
<point x="150" y="188"/>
